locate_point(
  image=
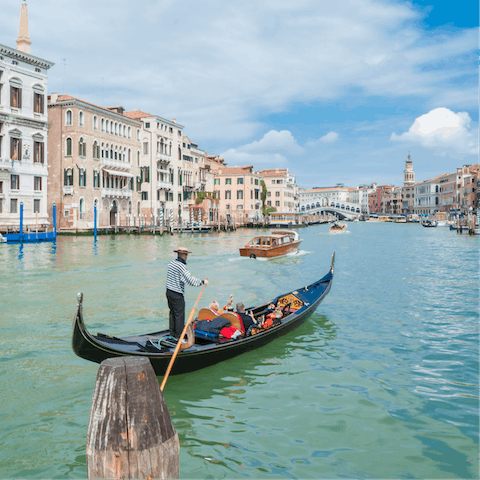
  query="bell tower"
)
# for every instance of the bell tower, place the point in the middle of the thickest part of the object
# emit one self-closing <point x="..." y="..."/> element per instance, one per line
<point x="408" y="173"/>
<point x="23" y="40"/>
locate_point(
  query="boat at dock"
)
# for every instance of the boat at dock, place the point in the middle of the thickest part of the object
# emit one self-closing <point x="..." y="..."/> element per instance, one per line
<point x="429" y="224"/>
<point x="272" y="244"/>
<point x="297" y="306"/>
<point x="30" y="236"/>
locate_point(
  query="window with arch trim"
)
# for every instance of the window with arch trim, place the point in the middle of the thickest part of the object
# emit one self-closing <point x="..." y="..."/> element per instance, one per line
<point x="95" y="122"/>
<point x="96" y="150"/>
<point x="68" y="177"/>
<point x="102" y="125"/>
<point x="82" y="148"/>
<point x="68" y="117"/>
<point x="81" y="119"/>
<point x="82" y="177"/>
<point x="68" y="147"/>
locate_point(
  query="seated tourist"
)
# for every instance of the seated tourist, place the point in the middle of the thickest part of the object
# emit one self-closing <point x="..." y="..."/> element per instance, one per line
<point x="215" y="307"/>
<point x="247" y="319"/>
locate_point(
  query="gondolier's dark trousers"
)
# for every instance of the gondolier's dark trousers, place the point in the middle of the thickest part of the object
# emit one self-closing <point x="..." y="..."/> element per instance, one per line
<point x="176" y="304"/>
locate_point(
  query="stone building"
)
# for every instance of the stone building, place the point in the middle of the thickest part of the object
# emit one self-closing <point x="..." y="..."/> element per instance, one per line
<point x="237" y="191"/>
<point x="282" y="189"/>
<point x="94" y="158"/>
<point x="174" y="166"/>
<point x="23" y="133"/>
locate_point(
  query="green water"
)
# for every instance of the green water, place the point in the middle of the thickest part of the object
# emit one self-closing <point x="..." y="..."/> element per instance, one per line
<point x="381" y="382"/>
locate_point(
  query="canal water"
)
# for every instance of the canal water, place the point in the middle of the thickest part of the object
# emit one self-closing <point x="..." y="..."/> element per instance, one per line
<point x="381" y="382"/>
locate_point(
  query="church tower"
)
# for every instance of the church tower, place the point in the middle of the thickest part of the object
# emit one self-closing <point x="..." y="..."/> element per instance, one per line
<point x="23" y="40"/>
<point x="408" y="173"/>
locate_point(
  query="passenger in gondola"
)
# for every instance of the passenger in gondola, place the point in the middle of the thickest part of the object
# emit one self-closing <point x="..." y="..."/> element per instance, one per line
<point x="215" y="307"/>
<point x="247" y="318"/>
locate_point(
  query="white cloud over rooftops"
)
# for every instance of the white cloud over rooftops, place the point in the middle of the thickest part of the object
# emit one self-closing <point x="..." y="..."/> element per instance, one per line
<point x="441" y="130"/>
<point x="330" y="137"/>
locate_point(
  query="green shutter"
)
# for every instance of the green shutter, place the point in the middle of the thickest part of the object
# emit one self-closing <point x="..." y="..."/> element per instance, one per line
<point x="64" y="176"/>
<point x="148" y="174"/>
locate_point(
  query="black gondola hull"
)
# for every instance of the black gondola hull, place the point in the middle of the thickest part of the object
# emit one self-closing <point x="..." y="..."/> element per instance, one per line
<point x="97" y="348"/>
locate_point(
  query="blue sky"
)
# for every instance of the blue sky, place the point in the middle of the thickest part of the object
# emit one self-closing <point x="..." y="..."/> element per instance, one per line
<point x="338" y="92"/>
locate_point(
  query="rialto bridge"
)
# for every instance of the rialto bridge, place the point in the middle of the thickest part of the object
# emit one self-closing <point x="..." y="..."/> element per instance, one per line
<point x="325" y="206"/>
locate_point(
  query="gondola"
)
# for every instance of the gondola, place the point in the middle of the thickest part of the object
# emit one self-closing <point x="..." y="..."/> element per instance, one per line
<point x="299" y="305"/>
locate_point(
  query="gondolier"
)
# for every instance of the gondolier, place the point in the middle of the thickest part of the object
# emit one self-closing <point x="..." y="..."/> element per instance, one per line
<point x="177" y="277"/>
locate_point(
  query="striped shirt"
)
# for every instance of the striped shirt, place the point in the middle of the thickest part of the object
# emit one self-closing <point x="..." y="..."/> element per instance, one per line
<point x="178" y="276"/>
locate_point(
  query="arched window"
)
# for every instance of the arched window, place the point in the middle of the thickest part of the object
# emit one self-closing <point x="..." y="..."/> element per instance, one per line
<point x="103" y="125"/>
<point x="95" y="122"/>
<point x="68" y="118"/>
<point x="82" y="148"/>
<point x="107" y="126"/>
<point x="68" y="147"/>
<point x="129" y="132"/>
<point x="81" y="208"/>
<point x="124" y="131"/>
<point x="68" y="177"/>
<point x="82" y="177"/>
<point x="96" y="150"/>
<point x="138" y="135"/>
<point x="116" y="128"/>
<point x="138" y="158"/>
<point x="81" y="119"/>
<point x="129" y="156"/>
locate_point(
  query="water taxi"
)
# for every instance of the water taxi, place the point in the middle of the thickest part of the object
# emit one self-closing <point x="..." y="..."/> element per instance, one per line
<point x="272" y="244"/>
<point x="338" y="227"/>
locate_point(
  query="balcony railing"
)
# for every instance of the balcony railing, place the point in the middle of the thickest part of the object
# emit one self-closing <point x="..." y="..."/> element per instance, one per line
<point x="163" y="157"/>
<point x="68" y="190"/>
<point x="162" y="170"/>
<point x="5" y="164"/>
<point x="116" y="192"/>
<point x="117" y="164"/>
<point x="164" y="185"/>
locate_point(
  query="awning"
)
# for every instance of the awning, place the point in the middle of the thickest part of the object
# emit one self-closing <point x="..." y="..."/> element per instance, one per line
<point x="115" y="172"/>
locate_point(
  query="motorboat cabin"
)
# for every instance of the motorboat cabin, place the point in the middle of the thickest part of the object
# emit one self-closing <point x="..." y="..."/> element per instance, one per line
<point x="272" y="245"/>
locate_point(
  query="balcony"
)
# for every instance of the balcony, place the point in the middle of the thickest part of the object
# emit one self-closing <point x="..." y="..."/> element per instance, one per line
<point x="116" y="192"/>
<point x="5" y="164"/>
<point x="162" y="170"/>
<point x="68" y="190"/>
<point x="164" y="185"/>
<point x="117" y="165"/>
<point x="163" y="157"/>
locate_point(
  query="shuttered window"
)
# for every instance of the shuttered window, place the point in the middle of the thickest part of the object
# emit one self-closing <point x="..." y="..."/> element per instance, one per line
<point x="38" y="103"/>
<point x="15" y="97"/>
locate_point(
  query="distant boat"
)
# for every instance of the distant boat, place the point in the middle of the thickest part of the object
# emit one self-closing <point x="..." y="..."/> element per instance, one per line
<point x="2" y="239"/>
<point x="272" y="244"/>
<point x="429" y="224"/>
<point x="337" y="227"/>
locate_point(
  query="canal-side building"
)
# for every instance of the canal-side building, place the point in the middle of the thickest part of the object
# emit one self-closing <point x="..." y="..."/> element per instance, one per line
<point x="377" y="199"/>
<point x="359" y="196"/>
<point x="282" y="190"/>
<point x="237" y="191"/>
<point x="427" y="196"/>
<point x="94" y="157"/>
<point x="24" y="164"/>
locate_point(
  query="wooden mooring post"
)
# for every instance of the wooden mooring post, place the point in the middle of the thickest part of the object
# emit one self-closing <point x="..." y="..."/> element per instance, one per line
<point x="130" y="433"/>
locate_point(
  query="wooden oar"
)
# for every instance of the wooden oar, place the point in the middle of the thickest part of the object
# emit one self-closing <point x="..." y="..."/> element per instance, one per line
<point x="179" y="344"/>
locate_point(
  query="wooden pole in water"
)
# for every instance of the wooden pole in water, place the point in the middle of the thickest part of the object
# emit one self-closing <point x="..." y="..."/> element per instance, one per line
<point x="130" y="433"/>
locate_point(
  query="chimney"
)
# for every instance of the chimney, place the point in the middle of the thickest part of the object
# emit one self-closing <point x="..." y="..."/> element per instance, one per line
<point x="173" y="120"/>
<point x="53" y="97"/>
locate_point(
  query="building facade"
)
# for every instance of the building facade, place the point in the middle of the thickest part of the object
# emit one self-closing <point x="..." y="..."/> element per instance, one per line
<point x="23" y="134"/>
<point x="94" y="161"/>
<point x="237" y="191"/>
<point x="282" y="190"/>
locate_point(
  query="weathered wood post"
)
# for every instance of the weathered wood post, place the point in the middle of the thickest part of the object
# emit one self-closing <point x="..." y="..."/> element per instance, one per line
<point x="130" y="433"/>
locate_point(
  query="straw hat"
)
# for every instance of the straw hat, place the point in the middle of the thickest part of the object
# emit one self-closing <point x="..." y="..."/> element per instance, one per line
<point x="182" y="250"/>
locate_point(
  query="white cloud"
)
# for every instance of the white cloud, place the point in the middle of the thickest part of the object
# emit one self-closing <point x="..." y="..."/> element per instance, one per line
<point x="330" y="137"/>
<point x="247" y="60"/>
<point x="443" y="131"/>
<point x="265" y="153"/>
<point x="274" y="141"/>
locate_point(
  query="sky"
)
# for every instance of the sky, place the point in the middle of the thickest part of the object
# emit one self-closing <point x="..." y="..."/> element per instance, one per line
<point x="337" y="92"/>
